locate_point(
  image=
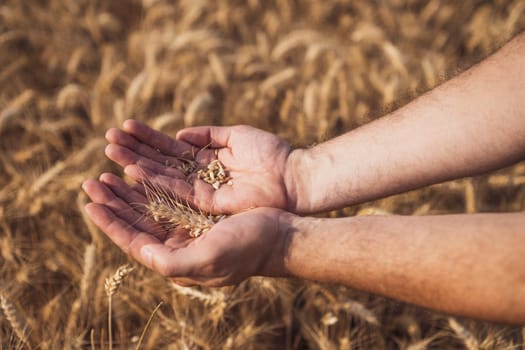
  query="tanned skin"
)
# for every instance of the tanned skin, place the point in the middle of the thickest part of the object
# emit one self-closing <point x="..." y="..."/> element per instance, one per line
<point x="469" y="265"/>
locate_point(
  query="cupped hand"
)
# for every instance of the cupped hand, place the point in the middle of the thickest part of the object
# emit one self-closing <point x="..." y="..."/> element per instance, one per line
<point x="243" y="245"/>
<point x="259" y="164"/>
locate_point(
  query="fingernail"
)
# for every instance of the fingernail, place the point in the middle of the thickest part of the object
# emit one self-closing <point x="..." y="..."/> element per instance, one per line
<point x="107" y="149"/>
<point x="126" y="123"/>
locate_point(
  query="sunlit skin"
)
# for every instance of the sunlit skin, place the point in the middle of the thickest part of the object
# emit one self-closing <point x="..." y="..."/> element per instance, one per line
<point x="470" y="265"/>
<point x="256" y="160"/>
<point x="211" y="259"/>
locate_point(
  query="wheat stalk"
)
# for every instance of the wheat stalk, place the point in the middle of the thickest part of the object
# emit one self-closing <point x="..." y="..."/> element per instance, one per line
<point x="14" y="319"/>
<point x="88" y="267"/>
<point x="143" y="334"/>
<point x="111" y="286"/>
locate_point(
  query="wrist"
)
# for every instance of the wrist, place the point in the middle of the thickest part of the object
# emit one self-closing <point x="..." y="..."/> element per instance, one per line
<point x="280" y="225"/>
<point x="288" y="224"/>
<point x="296" y="180"/>
<point x="295" y="231"/>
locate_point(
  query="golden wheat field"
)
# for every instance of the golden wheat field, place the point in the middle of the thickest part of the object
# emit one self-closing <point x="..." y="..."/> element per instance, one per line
<point x="304" y="69"/>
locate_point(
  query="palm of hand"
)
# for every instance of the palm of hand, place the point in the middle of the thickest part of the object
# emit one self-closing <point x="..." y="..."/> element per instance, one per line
<point x="256" y="161"/>
<point x="211" y="259"/>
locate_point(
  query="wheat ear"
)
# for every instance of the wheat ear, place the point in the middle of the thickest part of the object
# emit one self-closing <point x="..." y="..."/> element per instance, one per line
<point x="171" y="212"/>
<point x="471" y="343"/>
<point x="14" y="319"/>
<point x="81" y="300"/>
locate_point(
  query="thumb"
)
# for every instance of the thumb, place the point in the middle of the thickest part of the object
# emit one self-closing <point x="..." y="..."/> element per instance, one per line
<point x="169" y="262"/>
<point x="202" y="136"/>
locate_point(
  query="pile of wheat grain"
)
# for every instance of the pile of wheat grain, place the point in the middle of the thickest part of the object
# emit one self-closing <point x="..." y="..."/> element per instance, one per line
<point x="304" y="69"/>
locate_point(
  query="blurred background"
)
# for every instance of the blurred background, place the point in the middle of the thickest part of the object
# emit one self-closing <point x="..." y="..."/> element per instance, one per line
<point x="305" y="69"/>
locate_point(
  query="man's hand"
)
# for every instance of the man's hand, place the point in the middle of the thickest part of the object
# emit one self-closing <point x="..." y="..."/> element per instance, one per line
<point x="243" y="245"/>
<point x="259" y="163"/>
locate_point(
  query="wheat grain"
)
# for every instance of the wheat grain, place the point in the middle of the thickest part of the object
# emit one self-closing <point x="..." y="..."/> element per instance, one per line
<point x="215" y="175"/>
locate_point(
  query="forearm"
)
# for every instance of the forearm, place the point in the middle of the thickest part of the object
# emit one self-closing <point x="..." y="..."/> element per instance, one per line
<point x="470" y="265"/>
<point x="472" y="124"/>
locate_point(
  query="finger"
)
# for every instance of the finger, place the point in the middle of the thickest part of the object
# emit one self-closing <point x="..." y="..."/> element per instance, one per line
<point x="116" y="136"/>
<point x="178" y="238"/>
<point x="122" y="138"/>
<point x="178" y="187"/>
<point x="145" y="175"/>
<point x="124" y="235"/>
<point x="122" y="189"/>
<point x="206" y="156"/>
<point x="171" y="262"/>
<point x="225" y="200"/>
<point x="226" y="157"/>
<point x="121" y="155"/>
<point x="202" y="136"/>
<point x="137" y="187"/>
<point x="158" y="140"/>
<point x="124" y="156"/>
<point x="101" y="194"/>
<point x="161" y="169"/>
